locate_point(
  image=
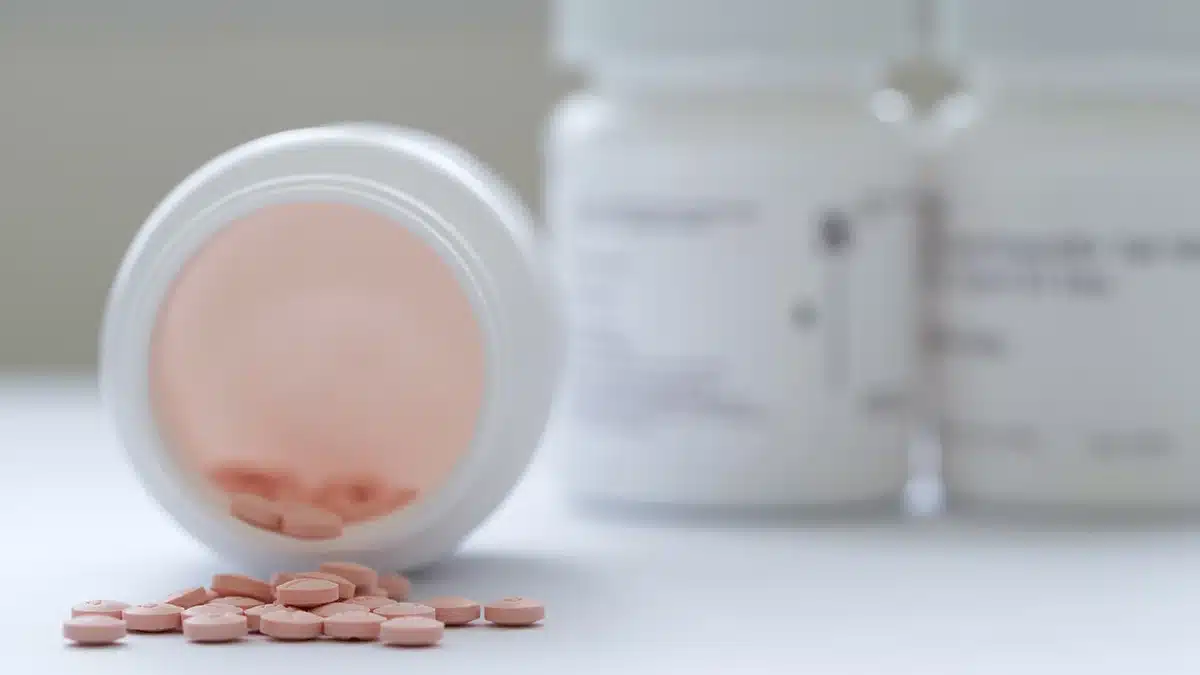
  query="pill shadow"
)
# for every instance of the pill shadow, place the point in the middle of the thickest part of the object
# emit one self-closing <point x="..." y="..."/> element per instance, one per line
<point x="112" y="647"/>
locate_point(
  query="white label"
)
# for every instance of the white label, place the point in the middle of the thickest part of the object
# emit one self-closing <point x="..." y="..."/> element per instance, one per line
<point x="736" y="307"/>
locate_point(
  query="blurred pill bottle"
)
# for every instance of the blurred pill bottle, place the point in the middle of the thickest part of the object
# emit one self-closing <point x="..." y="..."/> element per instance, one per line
<point x="1068" y="264"/>
<point x="730" y="201"/>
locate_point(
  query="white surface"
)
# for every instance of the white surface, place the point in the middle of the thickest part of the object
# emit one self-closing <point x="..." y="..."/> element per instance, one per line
<point x="623" y="596"/>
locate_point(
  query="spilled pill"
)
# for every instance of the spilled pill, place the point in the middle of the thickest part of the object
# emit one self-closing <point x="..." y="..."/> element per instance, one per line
<point x="370" y="601"/>
<point x="306" y="593"/>
<point x="359" y="625"/>
<point x="345" y="586"/>
<point x="360" y="575"/>
<point x="453" y="610"/>
<point x="398" y="609"/>
<point x="514" y="611"/>
<point x="210" y="610"/>
<point x="215" y="627"/>
<point x="326" y="611"/>
<point x="110" y="608"/>
<point x="188" y="598"/>
<point x="411" y="631"/>
<point x="254" y="614"/>
<point x="153" y="617"/>
<point x="241" y="585"/>
<point x="93" y="629"/>
<point x="237" y="601"/>
<point x="290" y="624"/>
<point x="397" y="586"/>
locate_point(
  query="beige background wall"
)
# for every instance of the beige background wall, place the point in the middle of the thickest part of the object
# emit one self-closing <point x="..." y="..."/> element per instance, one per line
<point x="102" y="112"/>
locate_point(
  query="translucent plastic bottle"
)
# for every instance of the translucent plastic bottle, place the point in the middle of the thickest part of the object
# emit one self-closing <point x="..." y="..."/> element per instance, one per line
<point x="1069" y="267"/>
<point x="731" y="210"/>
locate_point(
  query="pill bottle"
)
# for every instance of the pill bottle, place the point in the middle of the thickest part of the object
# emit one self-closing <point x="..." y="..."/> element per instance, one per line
<point x="1068" y="262"/>
<point x="352" y="319"/>
<point x="730" y="209"/>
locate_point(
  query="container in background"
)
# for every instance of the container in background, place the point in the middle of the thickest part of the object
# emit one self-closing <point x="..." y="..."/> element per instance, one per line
<point x="731" y="203"/>
<point x="1068" y="270"/>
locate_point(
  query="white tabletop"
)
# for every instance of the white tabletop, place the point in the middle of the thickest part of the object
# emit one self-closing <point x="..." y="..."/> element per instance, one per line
<point x="926" y="596"/>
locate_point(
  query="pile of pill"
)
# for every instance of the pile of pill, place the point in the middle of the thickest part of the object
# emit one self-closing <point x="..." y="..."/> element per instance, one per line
<point x="339" y="601"/>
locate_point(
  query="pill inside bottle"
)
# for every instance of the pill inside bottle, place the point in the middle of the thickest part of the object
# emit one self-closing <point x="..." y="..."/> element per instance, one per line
<point x="318" y="354"/>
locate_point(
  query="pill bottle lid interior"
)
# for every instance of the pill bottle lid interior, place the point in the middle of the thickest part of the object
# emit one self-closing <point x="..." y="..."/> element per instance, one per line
<point x="345" y="320"/>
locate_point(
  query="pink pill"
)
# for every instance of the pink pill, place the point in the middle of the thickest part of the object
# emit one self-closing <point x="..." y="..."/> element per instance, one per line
<point x="110" y="608"/>
<point x="240" y="585"/>
<point x="246" y="478"/>
<point x="355" y="499"/>
<point x="93" y="629"/>
<point x="360" y="625"/>
<point x="411" y="631"/>
<point x="326" y="611"/>
<point x="237" y="601"/>
<point x="153" y="617"/>
<point x="306" y="593"/>
<point x="254" y="614"/>
<point x="370" y="601"/>
<point x="210" y="595"/>
<point x="345" y="586"/>
<point x="210" y="610"/>
<point x="291" y="625"/>
<point x="454" y="611"/>
<point x="398" y="587"/>
<point x="514" y="611"/>
<point x="399" y="609"/>
<point x="360" y="575"/>
<point x="280" y="578"/>
<point x="377" y="592"/>
<point x="257" y="511"/>
<point x="309" y="522"/>
<point x="188" y="598"/>
<point x="215" y="627"/>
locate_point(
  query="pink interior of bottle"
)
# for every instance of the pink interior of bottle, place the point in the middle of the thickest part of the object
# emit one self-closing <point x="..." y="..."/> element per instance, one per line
<point x="319" y="353"/>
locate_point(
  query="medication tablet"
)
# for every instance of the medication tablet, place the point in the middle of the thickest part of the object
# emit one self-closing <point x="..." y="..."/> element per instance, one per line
<point x="397" y="586"/>
<point x="356" y="499"/>
<point x="241" y="585"/>
<point x="93" y="629"/>
<point x="237" y="601"/>
<point x="514" y="611"/>
<point x="345" y="586"/>
<point x="257" y="511"/>
<point x="360" y="575"/>
<point x="210" y="595"/>
<point x="153" y="617"/>
<point x="326" y="611"/>
<point x="377" y="592"/>
<point x="411" y="631"/>
<point x="454" y="611"/>
<point x="398" y="609"/>
<point x="360" y="625"/>
<point x="254" y="614"/>
<point x="210" y="610"/>
<point x="308" y="522"/>
<point x="110" y="608"/>
<point x="188" y="598"/>
<point x="215" y="627"/>
<point x="371" y="601"/>
<point x="306" y="593"/>
<point x="290" y="624"/>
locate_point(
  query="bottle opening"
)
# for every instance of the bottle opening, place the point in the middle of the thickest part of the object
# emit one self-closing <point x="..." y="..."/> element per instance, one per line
<point x="319" y="357"/>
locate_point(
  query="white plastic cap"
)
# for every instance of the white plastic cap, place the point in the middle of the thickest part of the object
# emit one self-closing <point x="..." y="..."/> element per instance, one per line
<point x="1138" y="44"/>
<point x="799" y="40"/>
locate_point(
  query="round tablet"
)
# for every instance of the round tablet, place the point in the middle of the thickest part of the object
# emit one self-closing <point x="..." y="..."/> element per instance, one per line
<point x="254" y="614"/>
<point x="377" y="592"/>
<point x="257" y="511"/>
<point x="326" y="611"/>
<point x="210" y="610"/>
<point x="237" y="601"/>
<point x="398" y="609"/>
<point x="210" y="595"/>
<point x="514" y="611"/>
<point x="188" y="598"/>
<point x="153" y="617"/>
<point x="306" y="593"/>
<point x="411" y="631"/>
<point x="215" y="627"/>
<point x="453" y="610"/>
<point x="360" y="625"/>
<point x="240" y="585"/>
<point x="397" y="586"/>
<point x="309" y="522"/>
<point x="110" y="608"/>
<point x="280" y="578"/>
<point x="345" y="586"/>
<point x="360" y="575"/>
<point x="290" y="624"/>
<point x="370" y="601"/>
<point x="93" y="629"/>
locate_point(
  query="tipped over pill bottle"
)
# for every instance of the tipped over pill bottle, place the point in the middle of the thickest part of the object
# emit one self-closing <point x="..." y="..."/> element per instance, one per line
<point x="730" y="205"/>
<point x="335" y="341"/>
<point x="1068" y="268"/>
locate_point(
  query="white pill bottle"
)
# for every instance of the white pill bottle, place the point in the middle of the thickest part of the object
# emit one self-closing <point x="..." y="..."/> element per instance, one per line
<point x="1068" y="269"/>
<point x="732" y="221"/>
